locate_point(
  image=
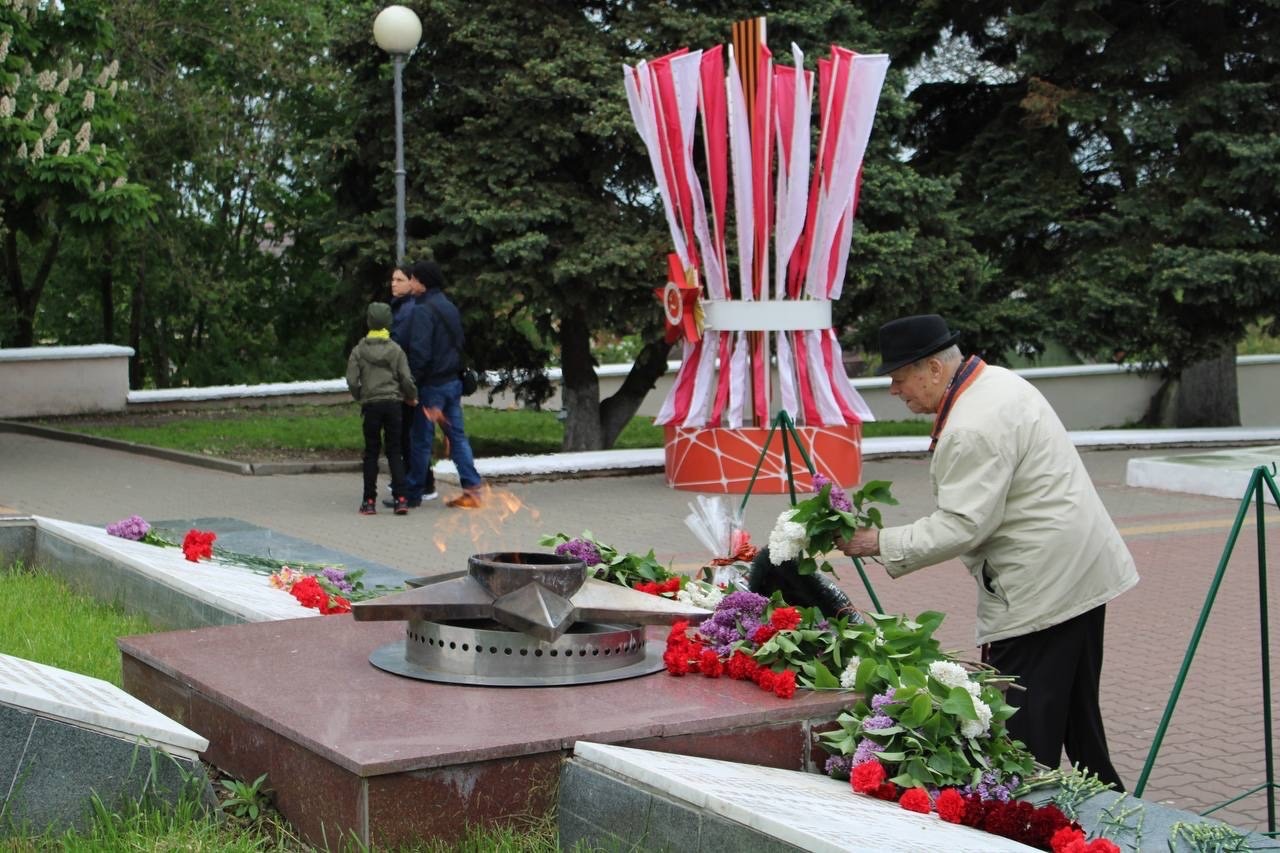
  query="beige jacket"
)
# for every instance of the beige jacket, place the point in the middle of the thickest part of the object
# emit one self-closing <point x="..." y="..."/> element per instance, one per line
<point x="1016" y="505"/>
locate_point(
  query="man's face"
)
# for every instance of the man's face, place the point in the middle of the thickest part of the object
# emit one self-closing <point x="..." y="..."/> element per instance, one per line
<point x="416" y="287"/>
<point x="399" y="285"/>
<point x="919" y="384"/>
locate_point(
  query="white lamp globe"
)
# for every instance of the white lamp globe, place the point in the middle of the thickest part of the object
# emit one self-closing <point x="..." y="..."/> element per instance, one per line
<point x="397" y="29"/>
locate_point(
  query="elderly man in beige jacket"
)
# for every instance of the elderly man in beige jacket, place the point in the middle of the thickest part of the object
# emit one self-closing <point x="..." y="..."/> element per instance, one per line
<point x="1016" y="505"/>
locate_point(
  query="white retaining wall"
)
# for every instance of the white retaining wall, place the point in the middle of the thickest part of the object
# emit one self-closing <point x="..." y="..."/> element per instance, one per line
<point x="63" y="380"/>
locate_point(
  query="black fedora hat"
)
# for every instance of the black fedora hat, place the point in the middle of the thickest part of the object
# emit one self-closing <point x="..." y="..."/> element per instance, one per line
<point x="909" y="339"/>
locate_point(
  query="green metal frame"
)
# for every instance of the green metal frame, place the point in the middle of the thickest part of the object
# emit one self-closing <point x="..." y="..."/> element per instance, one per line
<point x="782" y="419"/>
<point x="1254" y="494"/>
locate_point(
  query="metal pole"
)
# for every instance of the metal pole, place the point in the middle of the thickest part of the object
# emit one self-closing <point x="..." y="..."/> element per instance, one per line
<point x="1264" y="620"/>
<point x="398" y="63"/>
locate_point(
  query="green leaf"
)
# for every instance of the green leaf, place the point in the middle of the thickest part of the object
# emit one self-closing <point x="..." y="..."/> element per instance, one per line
<point x="823" y="679"/>
<point x="960" y="704"/>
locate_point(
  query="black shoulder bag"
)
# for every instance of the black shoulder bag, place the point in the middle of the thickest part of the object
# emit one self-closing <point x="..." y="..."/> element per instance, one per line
<point x="470" y="379"/>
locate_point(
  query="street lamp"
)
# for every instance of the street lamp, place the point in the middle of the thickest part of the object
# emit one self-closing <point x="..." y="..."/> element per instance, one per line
<point x="397" y="30"/>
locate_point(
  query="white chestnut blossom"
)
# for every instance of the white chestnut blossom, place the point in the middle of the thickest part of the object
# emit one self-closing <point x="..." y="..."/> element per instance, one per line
<point x="87" y="105"/>
<point x="22" y="151"/>
<point x="63" y="84"/>
<point x="6" y="106"/>
<point x="50" y="131"/>
<point x="83" y="136"/>
<point x="118" y="182"/>
<point x="65" y="148"/>
<point x="111" y="90"/>
<point x="37" y="150"/>
<point x="787" y="539"/>
<point x="50" y="111"/>
<point x="5" y="38"/>
<point x="46" y="80"/>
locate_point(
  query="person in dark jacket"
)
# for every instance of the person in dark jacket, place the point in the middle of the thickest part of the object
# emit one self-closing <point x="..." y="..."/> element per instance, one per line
<point x="379" y="379"/>
<point x="407" y="294"/>
<point x="438" y="323"/>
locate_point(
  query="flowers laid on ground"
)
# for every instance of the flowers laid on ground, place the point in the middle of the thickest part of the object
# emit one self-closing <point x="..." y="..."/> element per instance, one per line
<point x="644" y="573"/>
<point x="329" y="589"/>
<point x="318" y="592"/>
<point x="808" y="531"/>
<point x="197" y="544"/>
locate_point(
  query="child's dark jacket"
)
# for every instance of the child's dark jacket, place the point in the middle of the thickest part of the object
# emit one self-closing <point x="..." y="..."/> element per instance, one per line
<point x="378" y="371"/>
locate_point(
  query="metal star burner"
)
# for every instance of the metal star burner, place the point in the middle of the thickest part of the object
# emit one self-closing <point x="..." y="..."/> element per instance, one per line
<point x="523" y="620"/>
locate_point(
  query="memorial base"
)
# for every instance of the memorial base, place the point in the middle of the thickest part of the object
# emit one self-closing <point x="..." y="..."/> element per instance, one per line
<point x="721" y="460"/>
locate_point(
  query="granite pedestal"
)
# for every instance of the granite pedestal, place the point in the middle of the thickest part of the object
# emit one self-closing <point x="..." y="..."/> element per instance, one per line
<point x="353" y="751"/>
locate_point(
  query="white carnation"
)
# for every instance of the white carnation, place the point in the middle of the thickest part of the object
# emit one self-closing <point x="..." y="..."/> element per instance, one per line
<point x="849" y="677"/>
<point x="787" y="539"/>
<point x="980" y="726"/>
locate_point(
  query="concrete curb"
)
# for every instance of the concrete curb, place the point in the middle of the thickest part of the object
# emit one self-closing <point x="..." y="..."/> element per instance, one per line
<point x="615" y="463"/>
<point x="230" y="466"/>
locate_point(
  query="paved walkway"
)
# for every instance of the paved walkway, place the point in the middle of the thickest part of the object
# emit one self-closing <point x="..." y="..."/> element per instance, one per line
<point x="1213" y="750"/>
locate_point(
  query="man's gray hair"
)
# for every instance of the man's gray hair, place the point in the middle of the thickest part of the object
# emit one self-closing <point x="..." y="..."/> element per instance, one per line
<point x="949" y="356"/>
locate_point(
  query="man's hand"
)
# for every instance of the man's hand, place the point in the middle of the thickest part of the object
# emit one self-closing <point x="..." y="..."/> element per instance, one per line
<point x="865" y="542"/>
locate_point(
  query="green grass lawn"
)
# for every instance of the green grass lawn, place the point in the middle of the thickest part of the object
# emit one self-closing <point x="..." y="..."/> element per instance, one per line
<point x="36" y="610"/>
<point x="246" y="433"/>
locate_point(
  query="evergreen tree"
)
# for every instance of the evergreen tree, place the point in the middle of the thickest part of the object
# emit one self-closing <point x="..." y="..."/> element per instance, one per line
<point x="1119" y="168"/>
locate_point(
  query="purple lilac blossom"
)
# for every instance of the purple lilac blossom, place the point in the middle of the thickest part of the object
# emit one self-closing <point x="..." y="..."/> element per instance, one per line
<point x="881" y="699"/>
<point x="866" y="751"/>
<point x="837" y="497"/>
<point x="134" y="527"/>
<point x="876" y="722"/>
<point x="838" y="766"/>
<point x="337" y="577"/>
<point x="736" y="617"/>
<point x="580" y="549"/>
<point x="990" y="787"/>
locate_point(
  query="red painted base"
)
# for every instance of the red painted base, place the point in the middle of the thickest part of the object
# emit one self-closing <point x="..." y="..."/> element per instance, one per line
<point x="718" y="459"/>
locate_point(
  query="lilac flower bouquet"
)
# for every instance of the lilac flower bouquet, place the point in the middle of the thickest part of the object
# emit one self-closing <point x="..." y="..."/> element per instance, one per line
<point x="808" y="531"/>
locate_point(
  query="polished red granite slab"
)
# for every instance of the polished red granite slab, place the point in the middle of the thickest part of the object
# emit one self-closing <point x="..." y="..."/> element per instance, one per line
<point x="299" y="700"/>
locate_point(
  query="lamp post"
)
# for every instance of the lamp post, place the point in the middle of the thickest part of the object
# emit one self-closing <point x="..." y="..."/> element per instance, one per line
<point x="397" y="30"/>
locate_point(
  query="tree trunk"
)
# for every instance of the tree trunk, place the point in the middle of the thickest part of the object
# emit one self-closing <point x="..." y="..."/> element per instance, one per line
<point x="106" y="294"/>
<point x="619" y="409"/>
<point x="27" y="299"/>
<point x="1207" y="392"/>
<point x="579" y="385"/>
<point x="136" y="302"/>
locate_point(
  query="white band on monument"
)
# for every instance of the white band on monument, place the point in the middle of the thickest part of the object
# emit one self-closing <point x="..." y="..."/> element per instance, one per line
<point x="770" y="315"/>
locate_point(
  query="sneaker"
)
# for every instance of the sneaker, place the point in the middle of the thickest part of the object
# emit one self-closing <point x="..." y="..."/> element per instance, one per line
<point x="368" y="507"/>
<point x="431" y="495"/>
<point x="466" y="500"/>
<point x="390" y="503"/>
<point x="402" y="506"/>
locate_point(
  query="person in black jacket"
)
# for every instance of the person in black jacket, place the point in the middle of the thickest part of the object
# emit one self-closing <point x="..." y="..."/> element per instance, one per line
<point x="407" y="294"/>
<point x="437" y="324"/>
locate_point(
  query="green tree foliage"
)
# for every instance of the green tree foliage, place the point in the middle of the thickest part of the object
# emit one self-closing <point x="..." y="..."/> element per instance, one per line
<point x="60" y="172"/>
<point x="1123" y="178"/>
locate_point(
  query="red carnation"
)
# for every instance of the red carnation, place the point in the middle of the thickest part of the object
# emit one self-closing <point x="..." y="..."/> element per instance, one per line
<point x="950" y="805"/>
<point x="763" y="634"/>
<point x="709" y="663"/>
<point x="888" y="792"/>
<point x="785" y="618"/>
<point x="678" y="632"/>
<point x="670" y="585"/>
<point x="676" y="660"/>
<point x="867" y="776"/>
<point x="741" y="666"/>
<point x="1045" y="822"/>
<point x="975" y="810"/>
<point x="309" y="593"/>
<point x="1102" y="845"/>
<point x="915" y="800"/>
<point x="784" y="685"/>
<point x="197" y="544"/>
<point x="335" y="604"/>
<point x="765" y="678"/>
<point x="1066" y="838"/>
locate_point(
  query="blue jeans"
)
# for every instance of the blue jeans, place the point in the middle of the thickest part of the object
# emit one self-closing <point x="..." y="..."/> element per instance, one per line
<point x="448" y="399"/>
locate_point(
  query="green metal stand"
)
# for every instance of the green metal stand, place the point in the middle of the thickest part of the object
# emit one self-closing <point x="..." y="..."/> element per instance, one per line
<point x="782" y="419"/>
<point x="1254" y="494"/>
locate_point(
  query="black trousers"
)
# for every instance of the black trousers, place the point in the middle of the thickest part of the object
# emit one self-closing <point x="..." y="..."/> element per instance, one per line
<point x="1060" y="667"/>
<point x="382" y="421"/>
